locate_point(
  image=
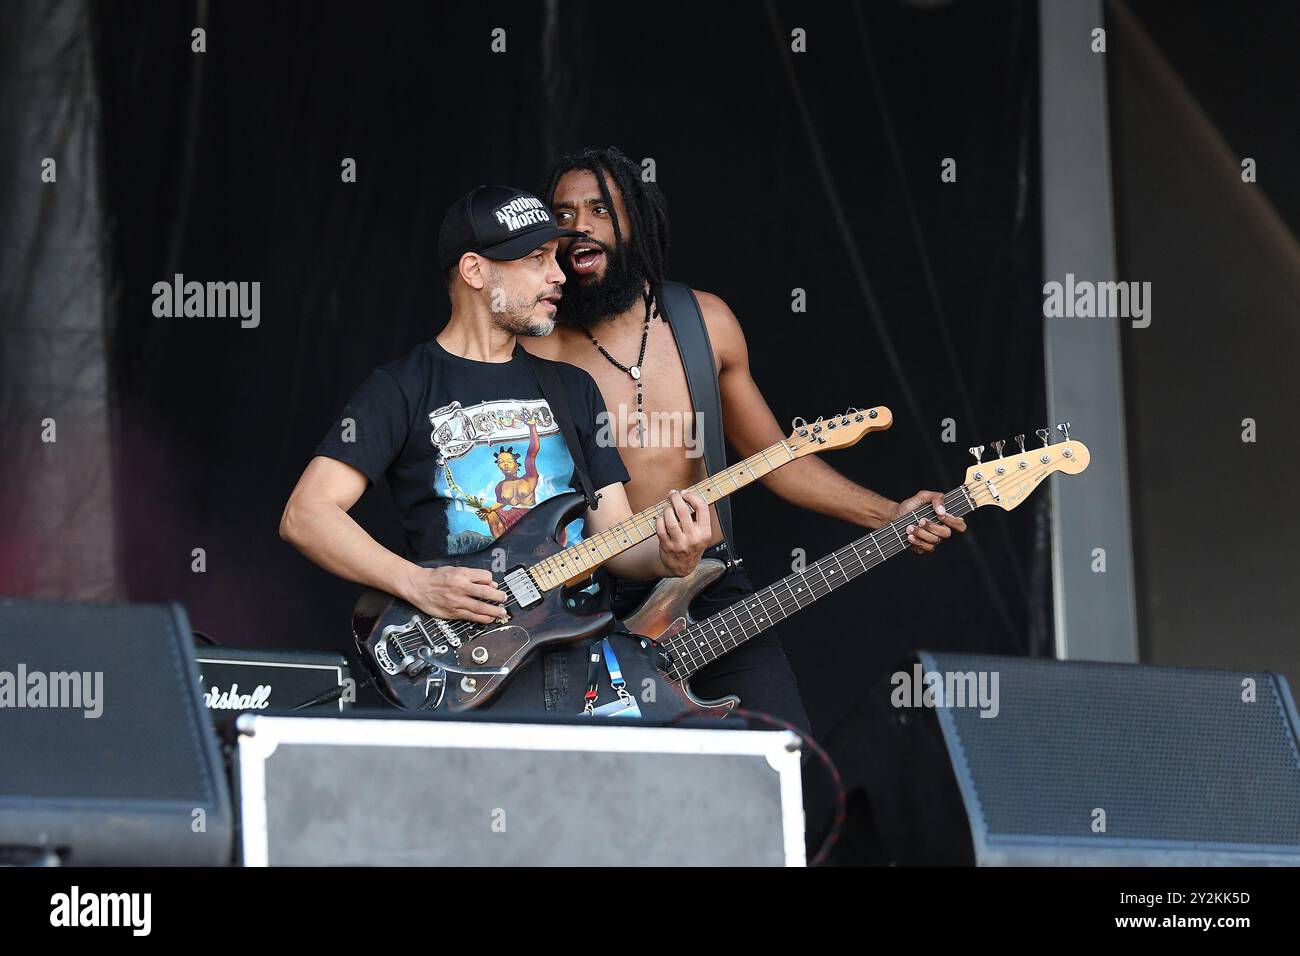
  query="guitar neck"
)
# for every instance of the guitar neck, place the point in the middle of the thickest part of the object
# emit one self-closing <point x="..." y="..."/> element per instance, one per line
<point x="707" y="640"/>
<point x="577" y="562"/>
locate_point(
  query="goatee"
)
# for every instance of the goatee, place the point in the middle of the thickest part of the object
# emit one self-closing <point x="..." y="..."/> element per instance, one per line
<point x="588" y="302"/>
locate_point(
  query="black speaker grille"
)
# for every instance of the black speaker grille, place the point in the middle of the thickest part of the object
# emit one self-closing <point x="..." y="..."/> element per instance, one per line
<point x="1166" y="753"/>
<point x="144" y="747"/>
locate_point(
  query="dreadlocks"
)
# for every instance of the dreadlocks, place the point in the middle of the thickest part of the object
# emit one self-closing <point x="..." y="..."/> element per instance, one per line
<point x="647" y="247"/>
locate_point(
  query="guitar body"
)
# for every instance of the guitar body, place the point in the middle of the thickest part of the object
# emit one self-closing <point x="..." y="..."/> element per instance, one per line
<point x="421" y="662"/>
<point x="666" y="612"/>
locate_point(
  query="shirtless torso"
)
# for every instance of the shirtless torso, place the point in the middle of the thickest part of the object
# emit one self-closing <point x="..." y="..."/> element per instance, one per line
<point x="660" y="464"/>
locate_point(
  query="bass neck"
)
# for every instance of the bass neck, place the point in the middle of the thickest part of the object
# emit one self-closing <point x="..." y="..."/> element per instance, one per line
<point x="705" y="641"/>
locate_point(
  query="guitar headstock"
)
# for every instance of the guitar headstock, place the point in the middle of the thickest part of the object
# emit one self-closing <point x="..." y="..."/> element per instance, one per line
<point x="837" y="431"/>
<point x="1007" y="481"/>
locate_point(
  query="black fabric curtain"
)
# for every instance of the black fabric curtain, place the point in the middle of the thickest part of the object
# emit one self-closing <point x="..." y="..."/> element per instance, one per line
<point x="57" y="521"/>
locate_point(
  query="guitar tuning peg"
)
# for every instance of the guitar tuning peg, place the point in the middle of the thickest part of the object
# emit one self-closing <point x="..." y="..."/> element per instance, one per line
<point x="1044" y="434"/>
<point x="1065" y="429"/>
<point x="1020" y="440"/>
<point x="977" y="451"/>
<point x="997" y="447"/>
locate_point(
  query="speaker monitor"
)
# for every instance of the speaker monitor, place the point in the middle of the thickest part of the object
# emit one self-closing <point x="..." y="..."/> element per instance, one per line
<point x="1078" y="763"/>
<point x="108" y="755"/>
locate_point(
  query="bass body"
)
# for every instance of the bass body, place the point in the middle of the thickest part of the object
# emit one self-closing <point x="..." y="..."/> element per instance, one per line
<point x="664" y="616"/>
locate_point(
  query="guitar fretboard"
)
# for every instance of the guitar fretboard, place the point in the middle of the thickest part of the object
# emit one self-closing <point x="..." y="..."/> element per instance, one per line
<point x="706" y="641"/>
<point x="581" y="559"/>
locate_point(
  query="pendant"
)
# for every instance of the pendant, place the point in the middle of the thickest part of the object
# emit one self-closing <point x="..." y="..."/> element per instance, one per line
<point x="635" y="372"/>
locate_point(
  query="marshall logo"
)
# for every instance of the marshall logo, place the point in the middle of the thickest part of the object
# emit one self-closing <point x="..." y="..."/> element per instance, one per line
<point x="232" y="699"/>
<point x="523" y="211"/>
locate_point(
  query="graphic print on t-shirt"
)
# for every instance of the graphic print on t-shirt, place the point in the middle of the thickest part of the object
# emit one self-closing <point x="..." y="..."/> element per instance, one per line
<point x="496" y="461"/>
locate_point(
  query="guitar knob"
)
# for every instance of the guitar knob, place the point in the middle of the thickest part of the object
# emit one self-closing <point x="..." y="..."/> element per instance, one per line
<point x="1044" y="434"/>
<point x="977" y="451"/>
<point x="997" y="447"/>
<point x="1065" y="429"/>
<point x="1020" y="440"/>
<point x="480" y="655"/>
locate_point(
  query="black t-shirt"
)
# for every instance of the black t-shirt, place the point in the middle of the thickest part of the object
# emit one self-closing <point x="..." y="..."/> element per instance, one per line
<point x="469" y="447"/>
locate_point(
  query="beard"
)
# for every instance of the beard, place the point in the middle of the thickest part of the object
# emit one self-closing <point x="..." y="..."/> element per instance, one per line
<point x="589" y="301"/>
<point x="515" y="315"/>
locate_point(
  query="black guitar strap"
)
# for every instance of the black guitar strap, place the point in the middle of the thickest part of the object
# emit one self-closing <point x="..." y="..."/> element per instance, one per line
<point x="687" y="322"/>
<point x="549" y="382"/>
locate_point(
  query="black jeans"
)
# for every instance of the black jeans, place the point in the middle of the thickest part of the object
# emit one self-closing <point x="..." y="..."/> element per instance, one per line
<point x="757" y="671"/>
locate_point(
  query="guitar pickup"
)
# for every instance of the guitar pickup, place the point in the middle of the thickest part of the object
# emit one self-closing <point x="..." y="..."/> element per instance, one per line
<point x="522" y="588"/>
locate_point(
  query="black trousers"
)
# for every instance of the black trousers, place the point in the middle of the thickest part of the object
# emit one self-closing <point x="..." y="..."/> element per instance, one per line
<point x="757" y="671"/>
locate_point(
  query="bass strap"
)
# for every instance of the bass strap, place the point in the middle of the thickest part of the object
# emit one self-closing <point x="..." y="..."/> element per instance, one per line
<point x="687" y="323"/>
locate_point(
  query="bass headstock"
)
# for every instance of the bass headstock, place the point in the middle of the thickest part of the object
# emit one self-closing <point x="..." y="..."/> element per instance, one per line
<point x="1007" y="481"/>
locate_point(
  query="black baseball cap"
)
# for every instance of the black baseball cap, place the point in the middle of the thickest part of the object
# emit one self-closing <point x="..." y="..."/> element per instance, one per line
<point x="499" y="222"/>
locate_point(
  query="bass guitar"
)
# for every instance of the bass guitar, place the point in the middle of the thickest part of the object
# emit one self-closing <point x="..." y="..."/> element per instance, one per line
<point x="689" y="645"/>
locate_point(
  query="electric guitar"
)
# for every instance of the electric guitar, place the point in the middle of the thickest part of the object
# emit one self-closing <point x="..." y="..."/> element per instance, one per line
<point x="689" y="645"/>
<point x="423" y="662"/>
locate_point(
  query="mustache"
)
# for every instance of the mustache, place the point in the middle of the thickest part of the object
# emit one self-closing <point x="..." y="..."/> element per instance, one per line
<point x="591" y="241"/>
<point x="554" y="290"/>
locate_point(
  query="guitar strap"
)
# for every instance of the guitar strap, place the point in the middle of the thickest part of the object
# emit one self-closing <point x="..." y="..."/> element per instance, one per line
<point x="686" y="320"/>
<point x="549" y="382"/>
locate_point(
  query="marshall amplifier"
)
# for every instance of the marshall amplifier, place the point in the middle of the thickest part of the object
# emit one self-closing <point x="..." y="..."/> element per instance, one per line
<point x="233" y="680"/>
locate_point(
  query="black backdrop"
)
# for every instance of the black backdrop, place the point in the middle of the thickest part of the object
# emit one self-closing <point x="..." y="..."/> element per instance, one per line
<point x="225" y="166"/>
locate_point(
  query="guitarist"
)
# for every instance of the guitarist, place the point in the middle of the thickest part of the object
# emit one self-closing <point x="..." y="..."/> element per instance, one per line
<point x="609" y="326"/>
<point x="451" y="423"/>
